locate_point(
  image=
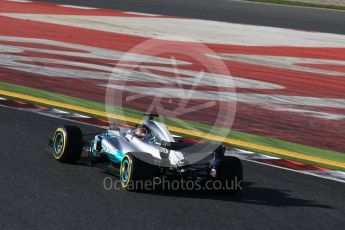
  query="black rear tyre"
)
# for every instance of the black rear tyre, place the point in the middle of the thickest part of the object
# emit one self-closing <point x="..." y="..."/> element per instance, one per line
<point x="230" y="174"/>
<point x="67" y="144"/>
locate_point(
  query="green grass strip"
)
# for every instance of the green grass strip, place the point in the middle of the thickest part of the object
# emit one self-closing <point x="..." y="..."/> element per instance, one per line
<point x="297" y="3"/>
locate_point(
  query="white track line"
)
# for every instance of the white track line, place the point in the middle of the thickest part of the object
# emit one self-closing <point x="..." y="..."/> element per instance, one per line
<point x="143" y="14"/>
<point x="19" y="1"/>
<point x="58" y="111"/>
<point x="80" y="115"/>
<point x="310" y="173"/>
<point x="253" y="157"/>
<point x="79" y="7"/>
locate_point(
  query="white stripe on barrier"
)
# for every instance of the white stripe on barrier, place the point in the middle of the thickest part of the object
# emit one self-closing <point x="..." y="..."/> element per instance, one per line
<point x="79" y="7"/>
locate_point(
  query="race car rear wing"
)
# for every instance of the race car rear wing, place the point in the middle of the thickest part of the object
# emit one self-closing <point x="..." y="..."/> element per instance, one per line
<point x="188" y="148"/>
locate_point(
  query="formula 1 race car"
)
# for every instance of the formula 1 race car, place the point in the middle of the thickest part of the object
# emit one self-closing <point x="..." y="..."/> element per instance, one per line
<point x="147" y="152"/>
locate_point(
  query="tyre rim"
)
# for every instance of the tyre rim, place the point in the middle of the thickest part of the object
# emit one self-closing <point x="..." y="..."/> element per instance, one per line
<point x="125" y="171"/>
<point x="58" y="144"/>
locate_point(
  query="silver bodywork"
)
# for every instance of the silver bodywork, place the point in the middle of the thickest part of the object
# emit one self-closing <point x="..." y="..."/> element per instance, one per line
<point x="116" y="142"/>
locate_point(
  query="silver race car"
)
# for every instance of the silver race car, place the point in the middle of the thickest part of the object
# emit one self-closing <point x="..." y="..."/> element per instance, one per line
<point x="148" y="152"/>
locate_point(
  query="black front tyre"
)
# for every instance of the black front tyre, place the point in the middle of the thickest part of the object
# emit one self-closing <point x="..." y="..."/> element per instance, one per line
<point x="230" y="174"/>
<point x="135" y="172"/>
<point x="67" y="144"/>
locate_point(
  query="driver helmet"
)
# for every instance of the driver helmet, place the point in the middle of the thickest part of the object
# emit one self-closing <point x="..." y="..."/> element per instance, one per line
<point x="140" y="132"/>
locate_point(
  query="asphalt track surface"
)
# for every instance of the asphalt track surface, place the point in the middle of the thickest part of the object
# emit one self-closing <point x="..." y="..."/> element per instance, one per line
<point x="38" y="192"/>
<point x="300" y="18"/>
